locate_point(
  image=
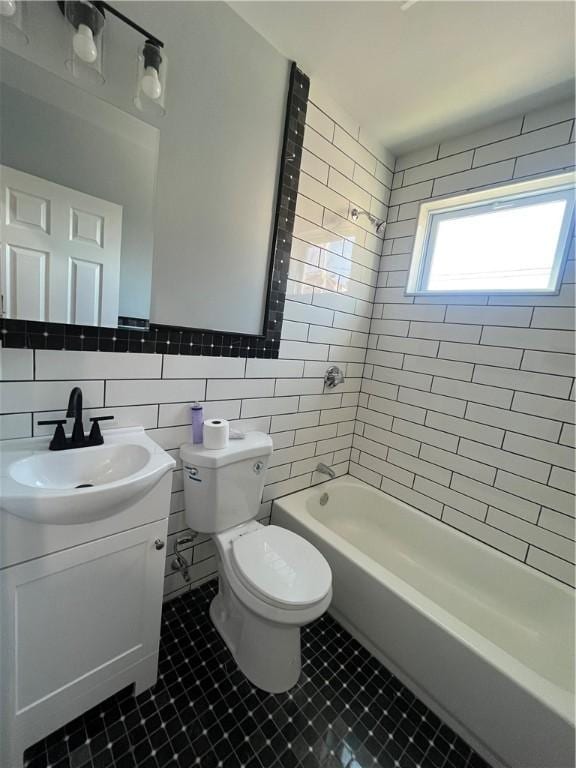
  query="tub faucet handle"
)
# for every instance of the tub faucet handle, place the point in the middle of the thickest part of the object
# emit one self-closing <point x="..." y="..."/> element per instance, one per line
<point x="333" y="377"/>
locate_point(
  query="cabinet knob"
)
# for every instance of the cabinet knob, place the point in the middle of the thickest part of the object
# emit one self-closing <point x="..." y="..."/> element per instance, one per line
<point x="159" y="544"/>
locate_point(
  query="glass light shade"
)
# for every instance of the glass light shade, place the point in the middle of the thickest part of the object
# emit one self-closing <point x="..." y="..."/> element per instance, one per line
<point x="12" y="22"/>
<point x="85" y="56"/>
<point x="151" y="80"/>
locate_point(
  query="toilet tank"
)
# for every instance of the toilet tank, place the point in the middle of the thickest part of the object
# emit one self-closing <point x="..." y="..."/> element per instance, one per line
<point x="223" y="488"/>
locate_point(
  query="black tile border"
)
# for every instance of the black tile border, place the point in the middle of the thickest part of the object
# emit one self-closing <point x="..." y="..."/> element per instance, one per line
<point x="178" y="340"/>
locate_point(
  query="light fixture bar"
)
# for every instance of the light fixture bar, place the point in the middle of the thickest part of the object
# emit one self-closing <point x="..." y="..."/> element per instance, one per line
<point x="103" y="6"/>
<point x="127" y="20"/>
<point x="87" y="17"/>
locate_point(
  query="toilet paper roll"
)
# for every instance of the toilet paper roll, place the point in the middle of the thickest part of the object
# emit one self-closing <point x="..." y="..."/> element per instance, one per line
<point x="216" y="434"/>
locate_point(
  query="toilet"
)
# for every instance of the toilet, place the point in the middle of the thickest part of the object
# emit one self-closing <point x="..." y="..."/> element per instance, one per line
<point x="271" y="581"/>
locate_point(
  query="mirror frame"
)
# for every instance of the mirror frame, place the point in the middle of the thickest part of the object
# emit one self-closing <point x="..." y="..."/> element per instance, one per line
<point x="179" y="340"/>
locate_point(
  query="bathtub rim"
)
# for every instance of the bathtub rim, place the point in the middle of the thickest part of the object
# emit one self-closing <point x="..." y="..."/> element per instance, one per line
<point x="558" y="700"/>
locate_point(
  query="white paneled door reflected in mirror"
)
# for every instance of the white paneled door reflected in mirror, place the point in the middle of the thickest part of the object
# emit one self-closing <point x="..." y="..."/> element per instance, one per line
<point x="61" y="255"/>
<point x="78" y="180"/>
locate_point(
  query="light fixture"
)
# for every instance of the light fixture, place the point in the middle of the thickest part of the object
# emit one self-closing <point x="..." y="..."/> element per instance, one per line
<point x="85" y="56"/>
<point x="87" y="19"/>
<point x="151" y="78"/>
<point x="12" y="21"/>
<point x="378" y="224"/>
<point x="7" y="8"/>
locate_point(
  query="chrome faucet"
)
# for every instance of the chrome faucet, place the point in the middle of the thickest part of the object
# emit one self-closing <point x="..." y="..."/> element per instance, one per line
<point x="324" y="470"/>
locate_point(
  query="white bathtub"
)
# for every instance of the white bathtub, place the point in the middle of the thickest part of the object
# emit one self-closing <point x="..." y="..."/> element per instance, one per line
<point x="486" y="642"/>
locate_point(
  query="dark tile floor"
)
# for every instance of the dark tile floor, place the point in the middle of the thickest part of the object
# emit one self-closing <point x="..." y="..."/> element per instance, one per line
<point x="346" y="711"/>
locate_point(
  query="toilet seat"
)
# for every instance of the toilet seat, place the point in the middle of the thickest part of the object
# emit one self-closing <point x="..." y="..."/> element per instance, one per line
<point x="281" y="568"/>
<point x="249" y="596"/>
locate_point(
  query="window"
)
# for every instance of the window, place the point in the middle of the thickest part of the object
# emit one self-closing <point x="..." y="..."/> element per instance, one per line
<point x="510" y="239"/>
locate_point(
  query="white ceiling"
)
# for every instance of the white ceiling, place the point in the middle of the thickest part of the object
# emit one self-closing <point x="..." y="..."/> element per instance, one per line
<point x="434" y="70"/>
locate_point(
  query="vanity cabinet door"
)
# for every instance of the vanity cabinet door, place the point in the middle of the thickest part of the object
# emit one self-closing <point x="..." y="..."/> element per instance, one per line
<point x="76" y="626"/>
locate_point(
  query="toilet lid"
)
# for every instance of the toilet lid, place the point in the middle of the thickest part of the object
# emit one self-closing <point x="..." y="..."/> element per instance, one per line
<point x="282" y="566"/>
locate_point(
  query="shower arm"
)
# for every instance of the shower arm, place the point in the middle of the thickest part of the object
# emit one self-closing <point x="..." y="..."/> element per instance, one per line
<point x="379" y="224"/>
<point x="355" y="214"/>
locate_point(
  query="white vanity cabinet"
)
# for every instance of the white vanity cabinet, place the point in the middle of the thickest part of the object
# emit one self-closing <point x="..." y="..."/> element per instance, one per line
<point x="80" y="612"/>
<point x="77" y="626"/>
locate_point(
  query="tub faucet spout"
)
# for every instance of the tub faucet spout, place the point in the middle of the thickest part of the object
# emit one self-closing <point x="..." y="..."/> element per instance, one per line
<point x="324" y="470"/>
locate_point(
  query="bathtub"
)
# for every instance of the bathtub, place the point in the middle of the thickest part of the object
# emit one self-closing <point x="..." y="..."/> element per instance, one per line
<point x="486" y="642"/>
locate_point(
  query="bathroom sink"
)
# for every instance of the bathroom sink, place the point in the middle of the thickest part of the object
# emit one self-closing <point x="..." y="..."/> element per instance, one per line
<point x="68" y="470"/>
<point x="82" y="484"/>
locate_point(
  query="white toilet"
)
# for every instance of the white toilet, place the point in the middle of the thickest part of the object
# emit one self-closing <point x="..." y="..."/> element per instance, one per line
<point x="272" y="581"/>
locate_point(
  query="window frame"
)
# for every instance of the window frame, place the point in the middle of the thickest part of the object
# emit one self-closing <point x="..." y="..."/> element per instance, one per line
<point x="430" y="213"/>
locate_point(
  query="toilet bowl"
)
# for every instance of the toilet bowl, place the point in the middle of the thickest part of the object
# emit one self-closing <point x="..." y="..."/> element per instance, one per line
<point x="271" y="581"/>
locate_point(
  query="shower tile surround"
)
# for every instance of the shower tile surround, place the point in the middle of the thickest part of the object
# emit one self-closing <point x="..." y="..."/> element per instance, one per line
<point x="327" y="312"/>
<point x="467" y="404"/>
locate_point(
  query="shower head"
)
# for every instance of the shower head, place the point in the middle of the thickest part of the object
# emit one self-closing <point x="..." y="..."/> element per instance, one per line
<point x="378" y="224"/>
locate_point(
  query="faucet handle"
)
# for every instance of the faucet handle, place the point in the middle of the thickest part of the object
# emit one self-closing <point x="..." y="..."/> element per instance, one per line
<point x="333" y="377"/>
<point x="58" y="442"/>
<point x="95" y="436"/>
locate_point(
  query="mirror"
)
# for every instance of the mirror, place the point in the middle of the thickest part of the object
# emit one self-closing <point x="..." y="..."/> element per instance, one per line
<point x="112" y="220"/>
<point x="77" y="180"/>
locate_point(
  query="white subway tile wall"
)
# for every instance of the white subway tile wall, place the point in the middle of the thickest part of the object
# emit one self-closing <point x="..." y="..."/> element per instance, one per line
<point x="334" y="273"/>
<point x="460" y="406"/>
<point x="473" y="396"/>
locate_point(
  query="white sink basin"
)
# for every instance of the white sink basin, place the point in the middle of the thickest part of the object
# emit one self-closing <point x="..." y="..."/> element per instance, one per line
<point x="66" y="470"/>
<point x="79" y="485"/>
